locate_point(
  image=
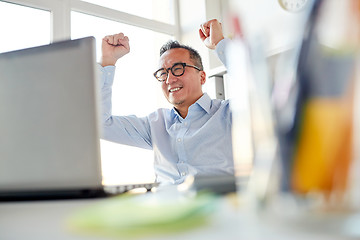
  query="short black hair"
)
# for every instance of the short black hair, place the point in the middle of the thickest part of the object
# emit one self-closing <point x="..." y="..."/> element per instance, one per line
<point x="194" y="55"/>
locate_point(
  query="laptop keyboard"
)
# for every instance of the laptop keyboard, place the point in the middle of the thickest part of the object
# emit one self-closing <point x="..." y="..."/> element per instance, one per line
<point x="118" y="189"/>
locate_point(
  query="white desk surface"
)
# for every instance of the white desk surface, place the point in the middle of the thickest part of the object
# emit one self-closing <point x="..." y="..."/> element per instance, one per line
<point x="46" y="220"/>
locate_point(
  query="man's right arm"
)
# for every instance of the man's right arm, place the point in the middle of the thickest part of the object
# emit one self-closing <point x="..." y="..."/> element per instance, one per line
<point x="114" y="47"/>
<point x="128" y="130"/>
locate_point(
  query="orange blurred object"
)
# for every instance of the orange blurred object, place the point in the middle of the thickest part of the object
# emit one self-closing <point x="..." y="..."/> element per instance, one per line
<point x="324" y="148"/>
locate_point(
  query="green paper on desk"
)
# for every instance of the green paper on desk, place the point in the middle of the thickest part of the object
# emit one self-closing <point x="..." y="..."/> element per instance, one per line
<point x="144" y="215"/>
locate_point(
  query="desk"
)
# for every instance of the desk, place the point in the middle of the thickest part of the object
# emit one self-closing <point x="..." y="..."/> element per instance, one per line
<point x="45" y="220"/>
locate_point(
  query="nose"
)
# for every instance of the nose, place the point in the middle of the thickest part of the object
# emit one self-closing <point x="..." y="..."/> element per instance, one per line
<point x="170" y="78"/>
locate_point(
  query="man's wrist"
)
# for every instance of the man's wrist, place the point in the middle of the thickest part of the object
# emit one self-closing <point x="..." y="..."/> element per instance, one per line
<point x="219" y="40"/>
<point x="108" y="61"/>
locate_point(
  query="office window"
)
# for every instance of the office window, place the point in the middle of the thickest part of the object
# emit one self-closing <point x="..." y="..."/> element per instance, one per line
<point x="159" y="10"/>
<point x="135" y="91"/>
<point x="23" y="27"/>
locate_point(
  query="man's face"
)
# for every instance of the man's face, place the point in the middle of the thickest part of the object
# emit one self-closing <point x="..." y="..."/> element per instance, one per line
<point x="181" y="91"/>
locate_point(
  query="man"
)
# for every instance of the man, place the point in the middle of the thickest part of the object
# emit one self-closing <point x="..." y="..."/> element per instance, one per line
<point x="192" y="138"/>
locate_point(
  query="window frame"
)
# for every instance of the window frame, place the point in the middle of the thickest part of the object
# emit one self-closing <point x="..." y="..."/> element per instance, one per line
<point x="60" y="12"/>
<point x="60" y="24"/>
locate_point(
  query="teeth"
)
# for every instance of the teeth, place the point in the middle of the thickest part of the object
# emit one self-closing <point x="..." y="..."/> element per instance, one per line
<point x="174" y="89"/>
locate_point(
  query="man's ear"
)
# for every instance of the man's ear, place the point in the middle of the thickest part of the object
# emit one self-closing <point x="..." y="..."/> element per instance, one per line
<point x="203" y="77"/>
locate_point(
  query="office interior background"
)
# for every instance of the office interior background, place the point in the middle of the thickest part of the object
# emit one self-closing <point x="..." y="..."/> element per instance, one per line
<point x="28" y="23"/>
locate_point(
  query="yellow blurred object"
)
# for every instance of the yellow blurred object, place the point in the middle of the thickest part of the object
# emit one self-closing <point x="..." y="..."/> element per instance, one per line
<point x="324" y="149"/>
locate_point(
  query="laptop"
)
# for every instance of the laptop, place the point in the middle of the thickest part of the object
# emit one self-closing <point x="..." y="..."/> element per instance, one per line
<point x="50" y="123"/>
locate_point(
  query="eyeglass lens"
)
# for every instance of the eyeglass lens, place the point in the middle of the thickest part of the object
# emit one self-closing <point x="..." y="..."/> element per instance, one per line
<point x="177" y="70"/>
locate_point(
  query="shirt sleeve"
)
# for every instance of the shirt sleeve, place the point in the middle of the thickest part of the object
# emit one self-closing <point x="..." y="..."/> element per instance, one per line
<point x="106" y="81"/>
<point x="129" y="130"/>
<point x="221" y="50"/>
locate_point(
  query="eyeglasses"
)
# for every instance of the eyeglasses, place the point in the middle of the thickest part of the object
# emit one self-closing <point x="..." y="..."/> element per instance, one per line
<point x="177" y="70"/>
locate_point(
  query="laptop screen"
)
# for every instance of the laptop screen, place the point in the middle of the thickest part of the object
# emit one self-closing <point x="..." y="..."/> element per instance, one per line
<point x="49" y="135"/>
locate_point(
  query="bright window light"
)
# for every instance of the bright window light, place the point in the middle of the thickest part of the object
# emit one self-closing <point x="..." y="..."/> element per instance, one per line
<point x="23" y="27"/>
<point x="160" y="10"/>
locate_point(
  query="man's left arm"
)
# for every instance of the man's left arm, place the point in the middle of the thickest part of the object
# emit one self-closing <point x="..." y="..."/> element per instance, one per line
<point x="221" y="50"/>
<point x="211" y="34"/>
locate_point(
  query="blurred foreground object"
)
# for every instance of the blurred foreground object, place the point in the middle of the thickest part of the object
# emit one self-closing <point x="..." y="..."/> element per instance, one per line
<point x="136" y="216"/>
<point x="296" y="117"/>
<point x="317" y="144"/>
<point x="295" y="121"/>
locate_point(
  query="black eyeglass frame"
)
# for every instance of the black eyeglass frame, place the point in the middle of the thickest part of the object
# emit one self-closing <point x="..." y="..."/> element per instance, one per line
<point x="171" y="69"/>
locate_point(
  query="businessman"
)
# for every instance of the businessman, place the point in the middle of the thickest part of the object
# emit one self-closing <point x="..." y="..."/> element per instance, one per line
<point x="192" y="138"/>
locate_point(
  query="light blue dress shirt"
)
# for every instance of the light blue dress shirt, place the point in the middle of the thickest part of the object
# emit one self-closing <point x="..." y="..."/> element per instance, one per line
<point x="199" y="144"/>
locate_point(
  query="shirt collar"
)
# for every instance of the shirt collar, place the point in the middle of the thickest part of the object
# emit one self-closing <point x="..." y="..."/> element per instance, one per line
<point x="204" y="102"/>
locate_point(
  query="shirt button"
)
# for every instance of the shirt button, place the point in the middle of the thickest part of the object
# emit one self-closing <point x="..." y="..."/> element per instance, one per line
<point x="179" y="139"/>
<point x="183" y="174"/>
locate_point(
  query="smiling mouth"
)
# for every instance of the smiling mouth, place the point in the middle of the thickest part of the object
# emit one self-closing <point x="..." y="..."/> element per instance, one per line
<point x="174" y="89"/>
